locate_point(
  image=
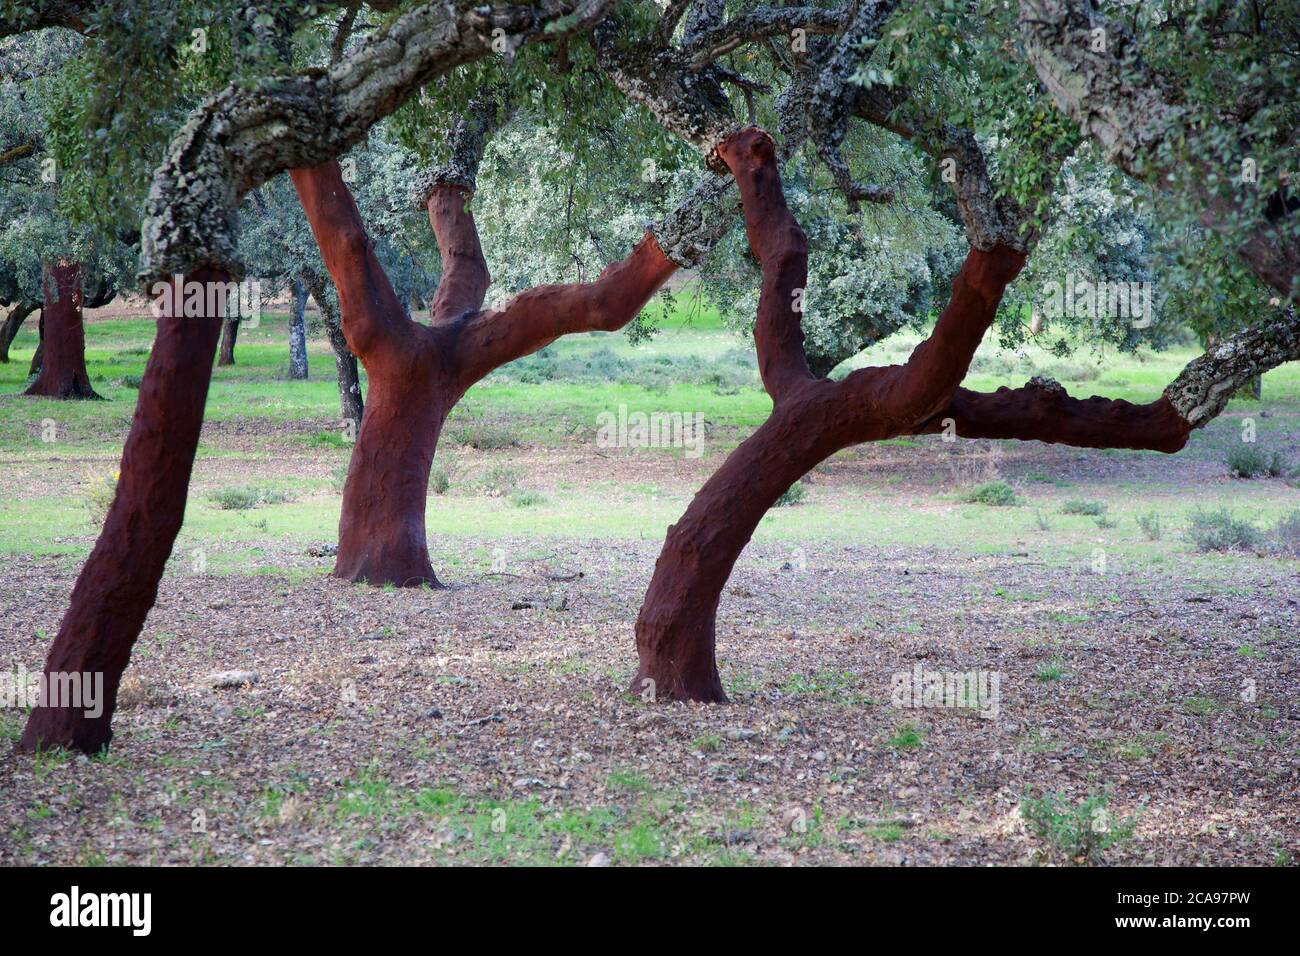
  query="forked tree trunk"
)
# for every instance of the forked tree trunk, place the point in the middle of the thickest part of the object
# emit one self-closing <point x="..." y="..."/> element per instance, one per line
<point x="63" y="348"/>
<point x="119" y="582"/>
<point x="229" y="333"/>
<point x="298" y="332"/>
<point x="13" y="323"/>
<point x="812" y="418"/>
<point x="418" y="373"/>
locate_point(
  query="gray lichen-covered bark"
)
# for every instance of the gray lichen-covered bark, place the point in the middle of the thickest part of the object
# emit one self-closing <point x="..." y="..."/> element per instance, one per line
<point x="1207" y="383"/>
<point x="989" y="219"/>
<point x="486" y="114"/>
<point x="298" y="368"/>
<point x="1129" y="110"/>
<point x="239" y="138"/>
<point x="831" y="102"/>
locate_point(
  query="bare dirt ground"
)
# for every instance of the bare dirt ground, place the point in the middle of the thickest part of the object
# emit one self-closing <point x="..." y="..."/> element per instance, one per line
<point x="491" y="721"/>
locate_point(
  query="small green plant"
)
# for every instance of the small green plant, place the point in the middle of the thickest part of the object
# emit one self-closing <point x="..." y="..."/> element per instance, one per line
<point x="1104" y="522"/>
<point x="524" y="498"/>
<point x="997" y="494"/>
<point x="792" y="495"/>
<point x="1149" y="522"/>
<point x="1081" y="833"/>
<point x="243" y="498"/>
<point x="1040" y="519"/>
<point x="907" y="737"/>
<point x="1248" y="460"/>
<point x="1220" y="531"/>
<point x="101" y="488"/>
<point x="709" y="743"/>
<point x="1050" y="671"/>
<point x="484" y="436"/>
<point x="500" y="481"/>
<point x="439" y="480"/>
<point x="1077" y="507"/>
<point x="1285" y="536"/>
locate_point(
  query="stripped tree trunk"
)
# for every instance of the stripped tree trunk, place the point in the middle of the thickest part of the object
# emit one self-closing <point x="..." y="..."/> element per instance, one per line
<point x="298" y="332"/>
<point x="418" y="373"/>
<point x="63" y="345"/>
<point x="119" y="582"/>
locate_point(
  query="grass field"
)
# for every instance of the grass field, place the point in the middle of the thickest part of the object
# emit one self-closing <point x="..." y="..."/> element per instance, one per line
<point x="489" y="721"/>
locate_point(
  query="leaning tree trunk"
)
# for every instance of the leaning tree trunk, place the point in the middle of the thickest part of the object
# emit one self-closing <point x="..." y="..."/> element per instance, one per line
<point x="119" y="582"/>
<point x="351" y="404"/>
<point x="229" y="332"/>
<point x="811" y="419"/>
<point x="13" y="322"/>
<point x="298" y="332"/>
<point x="63" y="347"/>
<point x="675" y="631"/>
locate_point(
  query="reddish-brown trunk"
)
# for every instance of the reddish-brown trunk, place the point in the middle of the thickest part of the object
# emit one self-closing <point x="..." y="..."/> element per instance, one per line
<point x="229" y="333"/>
<point x="418" y="373"/>
<point x="811" y="420"/>
<point x="63" y="346"/>
<point x="675" y="631"/>
<point x="119" y="582"/>
<point x="381" y="529"/>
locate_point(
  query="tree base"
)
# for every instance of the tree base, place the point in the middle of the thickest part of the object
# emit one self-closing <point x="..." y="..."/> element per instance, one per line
<point x="412" y="574"/>
<point x="654" y="684"/>
<point x="57" y="728"/>
<point x="75" y="390"/>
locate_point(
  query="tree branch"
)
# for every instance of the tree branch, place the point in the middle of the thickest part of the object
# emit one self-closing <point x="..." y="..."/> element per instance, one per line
<point x="373" y="318"/>
<point x="1126" y="108"/>
<point x="782" y="248"/>
<point x="239" y="138"/>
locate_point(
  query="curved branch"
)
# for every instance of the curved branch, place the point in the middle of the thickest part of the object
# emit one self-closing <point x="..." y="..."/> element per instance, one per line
<point x="906" y="394"/>
<point x="239" y="138"/>
<point x="537" y="317"/>
<point x="372" y="314"/>
<point x="1043" y="411"/>
<point x="782" y="248"/>
<point x="720" y="39"/>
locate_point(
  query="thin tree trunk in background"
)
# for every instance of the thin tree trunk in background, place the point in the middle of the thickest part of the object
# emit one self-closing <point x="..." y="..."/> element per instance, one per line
<point x="13" y="323"/>
<point x="119" y="582"/>
<point x="63" y="349"/>
<point x="35" y="367"/>
<point x="229" y="332"/>
<point x="351" y="403"/>
<point x="298" y="332"/>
